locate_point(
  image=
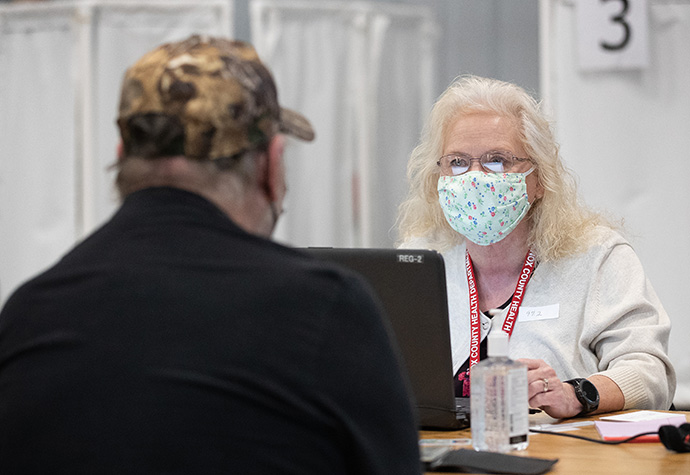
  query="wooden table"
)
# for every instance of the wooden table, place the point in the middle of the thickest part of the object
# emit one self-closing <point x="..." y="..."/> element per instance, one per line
<point x="583" y="458"/>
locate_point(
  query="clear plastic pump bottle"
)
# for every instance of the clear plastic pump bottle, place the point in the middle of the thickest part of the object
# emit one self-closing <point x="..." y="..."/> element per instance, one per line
<point x="499" y="399"/>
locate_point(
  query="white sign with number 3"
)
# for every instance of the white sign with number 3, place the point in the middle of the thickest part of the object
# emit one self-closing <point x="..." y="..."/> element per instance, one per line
<point x="612" y="34"/>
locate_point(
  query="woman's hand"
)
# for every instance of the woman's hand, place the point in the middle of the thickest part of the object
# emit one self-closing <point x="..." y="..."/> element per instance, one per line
<point x="549" y="393"/>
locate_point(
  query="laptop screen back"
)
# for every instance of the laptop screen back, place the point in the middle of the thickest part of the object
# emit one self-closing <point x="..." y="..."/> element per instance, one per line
<point x="411" y="285"/>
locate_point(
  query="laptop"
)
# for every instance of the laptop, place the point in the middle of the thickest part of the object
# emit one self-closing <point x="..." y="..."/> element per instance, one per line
<point x="411" y="285"/>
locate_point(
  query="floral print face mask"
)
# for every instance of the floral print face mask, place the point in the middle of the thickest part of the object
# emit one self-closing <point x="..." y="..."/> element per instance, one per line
<point x="484" y="207"/>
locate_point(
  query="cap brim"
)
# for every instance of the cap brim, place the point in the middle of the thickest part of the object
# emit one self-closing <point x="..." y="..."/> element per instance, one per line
<point x="295" y="124"/>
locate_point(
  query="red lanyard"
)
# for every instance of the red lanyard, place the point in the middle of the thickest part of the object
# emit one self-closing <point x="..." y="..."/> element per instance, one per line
<point x="513" y="308"/>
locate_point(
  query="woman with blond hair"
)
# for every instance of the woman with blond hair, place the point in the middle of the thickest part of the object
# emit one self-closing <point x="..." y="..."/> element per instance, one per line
<point x="523" y="255"/>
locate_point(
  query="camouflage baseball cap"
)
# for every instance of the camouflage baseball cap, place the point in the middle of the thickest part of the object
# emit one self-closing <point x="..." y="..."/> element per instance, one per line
<point x="223" y="96"/>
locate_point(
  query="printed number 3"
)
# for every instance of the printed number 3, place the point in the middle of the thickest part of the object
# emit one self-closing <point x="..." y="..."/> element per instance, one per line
<point x="619" y="18"/>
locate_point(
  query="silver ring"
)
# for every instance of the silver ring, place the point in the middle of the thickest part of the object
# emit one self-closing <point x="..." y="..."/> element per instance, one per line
<point x="546" y="385"/>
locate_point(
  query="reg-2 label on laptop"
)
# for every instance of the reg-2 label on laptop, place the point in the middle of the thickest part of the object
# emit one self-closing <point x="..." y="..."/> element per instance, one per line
<point x="411" y="258"/>
<point x="530" y="314"/>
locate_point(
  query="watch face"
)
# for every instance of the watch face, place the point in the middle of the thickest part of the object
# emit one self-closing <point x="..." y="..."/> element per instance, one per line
<point x="586" y="393"/>
<point x="590" y="390"/>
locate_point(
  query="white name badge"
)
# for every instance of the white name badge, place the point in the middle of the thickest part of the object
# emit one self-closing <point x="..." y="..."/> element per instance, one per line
<point x="530" y="314"/>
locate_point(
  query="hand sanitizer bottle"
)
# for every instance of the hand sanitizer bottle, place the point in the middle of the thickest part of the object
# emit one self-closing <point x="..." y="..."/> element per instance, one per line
<point x="499" y="399"/>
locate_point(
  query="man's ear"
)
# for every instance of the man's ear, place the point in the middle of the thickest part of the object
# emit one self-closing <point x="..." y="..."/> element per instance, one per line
<point x="274" y="183"/>
<point x="120" y="151"/>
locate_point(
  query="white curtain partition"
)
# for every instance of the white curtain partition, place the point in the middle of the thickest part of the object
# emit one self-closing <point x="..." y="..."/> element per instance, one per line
<point x="363" y="74"/>
<point x="38" y="146"/>
<point x="627" y="135"/>
<point x="61" y="65"/>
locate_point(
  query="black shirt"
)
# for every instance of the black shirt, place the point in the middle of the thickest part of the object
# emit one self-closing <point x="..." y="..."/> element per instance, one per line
<point x="171" y="341"/>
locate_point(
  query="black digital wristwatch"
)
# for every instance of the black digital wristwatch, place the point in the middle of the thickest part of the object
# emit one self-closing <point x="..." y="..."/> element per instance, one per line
<point x="586" y="393"/>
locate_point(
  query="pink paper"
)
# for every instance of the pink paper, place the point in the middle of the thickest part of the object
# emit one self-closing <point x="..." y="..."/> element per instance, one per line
<point x="621" y="430"/>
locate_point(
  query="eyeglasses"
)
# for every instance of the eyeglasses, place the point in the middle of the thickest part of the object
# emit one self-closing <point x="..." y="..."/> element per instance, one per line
<point x="495" y="161"/>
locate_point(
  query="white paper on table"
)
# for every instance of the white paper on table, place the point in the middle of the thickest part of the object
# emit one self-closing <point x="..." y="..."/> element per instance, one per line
<point x="637" y="416"/>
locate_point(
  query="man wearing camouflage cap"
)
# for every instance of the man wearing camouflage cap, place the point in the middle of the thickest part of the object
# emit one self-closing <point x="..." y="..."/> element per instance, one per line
<point x="179" y="338"/>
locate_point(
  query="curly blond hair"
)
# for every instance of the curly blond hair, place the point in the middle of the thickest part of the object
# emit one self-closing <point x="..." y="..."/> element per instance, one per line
<point x="560" y="223"/>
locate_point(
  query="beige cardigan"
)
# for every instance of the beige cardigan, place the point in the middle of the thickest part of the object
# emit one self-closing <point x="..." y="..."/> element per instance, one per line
<point x="608" y="319"/>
